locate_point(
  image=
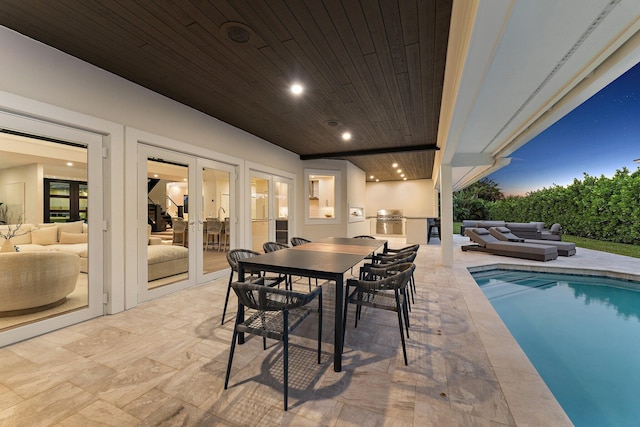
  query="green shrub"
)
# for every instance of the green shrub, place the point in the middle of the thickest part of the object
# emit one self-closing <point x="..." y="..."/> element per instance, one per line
<point x="601" y="208"/>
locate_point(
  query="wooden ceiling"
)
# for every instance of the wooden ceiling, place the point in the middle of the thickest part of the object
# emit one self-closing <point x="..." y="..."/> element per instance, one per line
<point x="373" y="68"/>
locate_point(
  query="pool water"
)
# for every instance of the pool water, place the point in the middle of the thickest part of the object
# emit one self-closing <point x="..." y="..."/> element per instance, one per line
<point x="581" y="333"/>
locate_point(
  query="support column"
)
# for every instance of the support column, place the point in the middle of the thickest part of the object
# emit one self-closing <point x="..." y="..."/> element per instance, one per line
<point x="446" y="215"/>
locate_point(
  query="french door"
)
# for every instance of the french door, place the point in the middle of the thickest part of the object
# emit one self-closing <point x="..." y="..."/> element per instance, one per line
<point x="270" y="196"/>
<point x="181" y="197"/>
<point x="32" y="151"/>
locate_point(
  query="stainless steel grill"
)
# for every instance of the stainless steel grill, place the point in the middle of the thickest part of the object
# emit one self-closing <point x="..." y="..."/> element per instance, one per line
<point x="389" y="221"/>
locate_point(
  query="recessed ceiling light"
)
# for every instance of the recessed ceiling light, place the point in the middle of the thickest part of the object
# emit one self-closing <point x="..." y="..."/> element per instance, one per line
<point x="155" y="175"/>
<point x="395" y="165"/>
<point x="399" y="170"/>
<point x="185" y="179"/>
<point x="377" y="180"/>
<point x="404" y="179"/>
<point x="402" y="175"/>
<point x="297" y="89"/>
<point x="371" y="177"/>
<point x="346" y="136"/>
<point x="69" y="164"/>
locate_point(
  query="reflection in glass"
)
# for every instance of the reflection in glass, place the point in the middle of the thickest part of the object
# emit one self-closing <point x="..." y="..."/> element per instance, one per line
<point x="216" y="227"/>
<point x="259" y="212"/>
<point x="167" y="223"/>
<point x="63" y="211"/>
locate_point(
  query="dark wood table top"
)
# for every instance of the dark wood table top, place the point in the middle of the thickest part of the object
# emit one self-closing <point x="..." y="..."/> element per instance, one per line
<point x="331" y="255"/>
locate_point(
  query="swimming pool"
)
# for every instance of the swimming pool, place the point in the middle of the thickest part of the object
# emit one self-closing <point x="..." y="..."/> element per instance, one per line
<point x="581" y="333"/>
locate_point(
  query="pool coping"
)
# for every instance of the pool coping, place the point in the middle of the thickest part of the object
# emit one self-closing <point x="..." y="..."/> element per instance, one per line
<point x="529" y="399"/>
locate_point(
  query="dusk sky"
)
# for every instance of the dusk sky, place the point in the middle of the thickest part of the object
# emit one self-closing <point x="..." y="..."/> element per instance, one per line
<point x="599" y="137"/>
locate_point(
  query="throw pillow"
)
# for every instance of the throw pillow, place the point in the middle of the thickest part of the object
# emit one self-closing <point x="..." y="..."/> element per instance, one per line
<point x="44" y="236"/>
<point x="556" y="229"/>
<point x="70" y="227"/>
<point x="73" y="238"/>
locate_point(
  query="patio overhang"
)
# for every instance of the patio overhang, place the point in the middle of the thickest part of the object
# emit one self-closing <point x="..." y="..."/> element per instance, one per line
<point x="515" y="68"/>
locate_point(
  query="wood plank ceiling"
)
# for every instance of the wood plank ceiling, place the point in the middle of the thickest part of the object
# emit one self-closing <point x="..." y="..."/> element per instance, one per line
<point x="372" y="68"/>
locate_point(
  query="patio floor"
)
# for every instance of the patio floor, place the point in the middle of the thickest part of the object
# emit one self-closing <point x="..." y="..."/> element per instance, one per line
<point x="163" y="363"/>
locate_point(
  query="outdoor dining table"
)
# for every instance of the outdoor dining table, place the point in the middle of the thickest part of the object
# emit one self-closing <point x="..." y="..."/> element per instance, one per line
<point x="327" y="259"/>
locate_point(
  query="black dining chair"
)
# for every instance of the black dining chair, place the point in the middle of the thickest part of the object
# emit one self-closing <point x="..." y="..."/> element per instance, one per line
<point x="276" y="246"/>
<point x="387" y="293"/>
<point x="387" y="261"/>
<point x="297" y="241"/>
<point x="235" y="255"/>
<point x="277" y="313"/>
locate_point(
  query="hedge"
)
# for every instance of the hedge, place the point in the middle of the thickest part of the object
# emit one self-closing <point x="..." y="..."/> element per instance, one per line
<point x="601" y="208"/>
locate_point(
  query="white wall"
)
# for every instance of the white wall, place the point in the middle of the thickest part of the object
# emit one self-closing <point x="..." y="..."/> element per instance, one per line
<point x="30" y="179"/>
<point x="414" y="197"/>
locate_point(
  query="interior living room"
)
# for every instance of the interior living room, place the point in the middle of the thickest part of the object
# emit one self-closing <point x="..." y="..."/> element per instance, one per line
<point x="395" y="106"/>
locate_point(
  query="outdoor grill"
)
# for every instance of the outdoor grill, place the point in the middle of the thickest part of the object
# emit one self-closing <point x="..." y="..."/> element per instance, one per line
<point x="389" y="221"/>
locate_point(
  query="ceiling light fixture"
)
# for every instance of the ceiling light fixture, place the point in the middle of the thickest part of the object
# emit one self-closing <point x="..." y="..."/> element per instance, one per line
<point x="395" y="165"/>
<point x="404" y="179"/>
<point x="371" y="177"/>
<point x="402" y="175"/>
<point x="377" y="180"/>
<point x="297" y="89"/>
<point x="69" y="164"/>
<point x="399" y="170"/>
<point x="155" y="175"/>
<point x="346" y="136"/>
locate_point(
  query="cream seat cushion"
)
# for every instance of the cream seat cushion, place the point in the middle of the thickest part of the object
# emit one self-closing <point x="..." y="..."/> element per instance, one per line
<point x="79" y="249"/>
<point x="163" y="253"/>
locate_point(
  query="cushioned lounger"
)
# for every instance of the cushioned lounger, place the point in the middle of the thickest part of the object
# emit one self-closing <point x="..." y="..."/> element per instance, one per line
<point x="505" y="235"/>
<point x="487" y="243"/>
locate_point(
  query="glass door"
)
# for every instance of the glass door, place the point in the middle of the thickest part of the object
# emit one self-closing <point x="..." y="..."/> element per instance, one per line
<point x="260" y="211"/>
<point x="167" y="227"/>
<point x="270" y="197"/>
<point x="281" y="211"/>
<point x="216" y="217"/>
<point x="63" y="259"/>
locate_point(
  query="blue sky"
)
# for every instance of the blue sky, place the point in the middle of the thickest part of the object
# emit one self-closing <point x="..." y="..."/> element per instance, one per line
<point x="599" y="137"/>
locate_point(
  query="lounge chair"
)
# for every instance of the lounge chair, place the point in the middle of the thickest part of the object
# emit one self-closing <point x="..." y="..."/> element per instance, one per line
<point x="485" y="242"/>
<point x="505" y="235"/>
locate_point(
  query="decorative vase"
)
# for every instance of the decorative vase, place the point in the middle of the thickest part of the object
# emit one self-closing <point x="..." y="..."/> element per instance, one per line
<point x="7" y="246"/>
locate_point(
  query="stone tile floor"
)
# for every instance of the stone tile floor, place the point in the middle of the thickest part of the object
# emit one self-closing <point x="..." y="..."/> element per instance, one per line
<point x="163" y="363"/>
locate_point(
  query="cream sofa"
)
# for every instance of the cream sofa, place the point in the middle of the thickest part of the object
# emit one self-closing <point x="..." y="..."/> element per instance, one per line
<point x="34" y="281"/>
<point x="165" y="260"/>
<point x="72" y="237"/>
<point x="68" y="237"/>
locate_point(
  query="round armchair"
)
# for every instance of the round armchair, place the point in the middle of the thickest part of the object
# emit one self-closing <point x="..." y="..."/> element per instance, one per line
<point x="35" y="281"/>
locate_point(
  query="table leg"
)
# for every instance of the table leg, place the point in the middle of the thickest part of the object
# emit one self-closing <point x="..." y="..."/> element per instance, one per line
<point x="240" y="306"/>
<point x="338" y="337"/>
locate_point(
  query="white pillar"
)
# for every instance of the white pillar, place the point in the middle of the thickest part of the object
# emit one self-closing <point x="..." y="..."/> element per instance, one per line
<point x="446" y="215"/>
